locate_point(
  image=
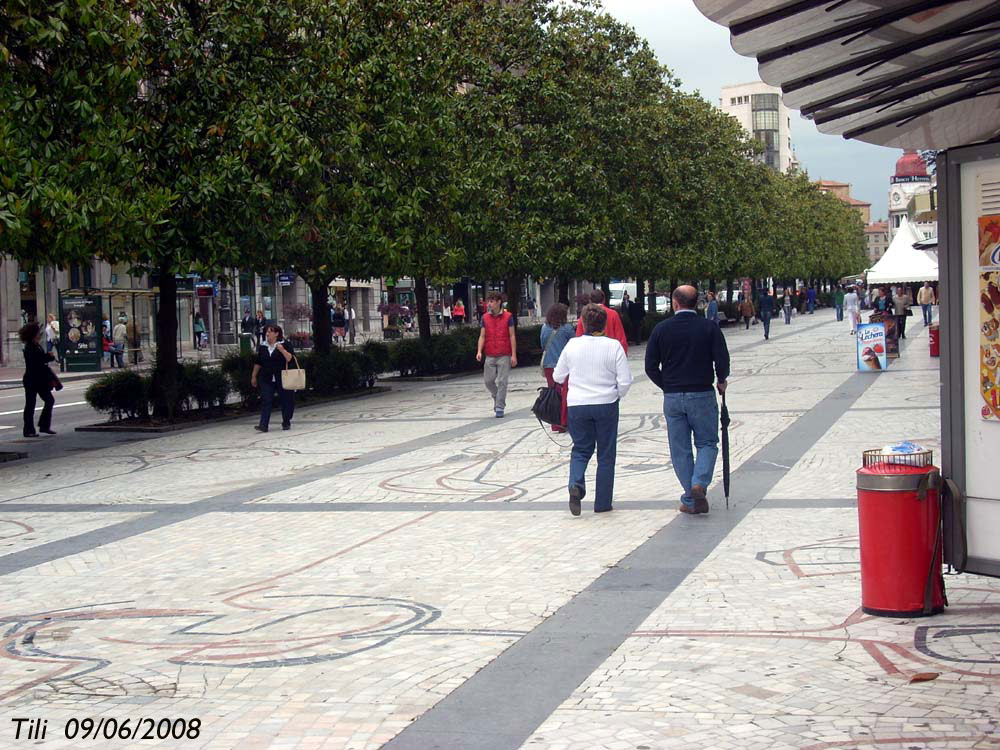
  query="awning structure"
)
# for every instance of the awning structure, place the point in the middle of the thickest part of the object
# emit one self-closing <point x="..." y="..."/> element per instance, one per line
<point x="901" y="73"/>
<point x="903" y="263"/>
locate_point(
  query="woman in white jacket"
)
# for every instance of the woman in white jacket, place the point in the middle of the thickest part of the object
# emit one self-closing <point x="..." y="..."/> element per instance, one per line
<point x="599" y="377"/>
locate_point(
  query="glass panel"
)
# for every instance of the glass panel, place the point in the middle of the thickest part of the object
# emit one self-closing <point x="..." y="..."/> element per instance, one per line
<point x="765" y="101"/>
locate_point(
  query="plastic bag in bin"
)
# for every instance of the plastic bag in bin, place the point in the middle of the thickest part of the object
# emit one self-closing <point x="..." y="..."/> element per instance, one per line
<point x="900" y="453"/>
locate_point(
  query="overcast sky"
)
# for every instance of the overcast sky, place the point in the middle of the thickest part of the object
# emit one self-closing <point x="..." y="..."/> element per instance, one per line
<point x="699" y="54"/>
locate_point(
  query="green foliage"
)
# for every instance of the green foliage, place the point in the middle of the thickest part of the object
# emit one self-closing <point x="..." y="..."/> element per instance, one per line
<point x="238" y="369"/>
<point x="203" y="386"/>
<point x="378" y="356"/>
<point x="333" y="372"/>
<point x="649" y="322"/>
<point x="412" y="357"/>
<point x="121" y="393"/>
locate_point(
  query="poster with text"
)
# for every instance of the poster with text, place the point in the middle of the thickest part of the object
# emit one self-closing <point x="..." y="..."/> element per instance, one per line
<point x="989" y="342"/>
<point x="989" y="241"/>
<point x="871" y="347"/>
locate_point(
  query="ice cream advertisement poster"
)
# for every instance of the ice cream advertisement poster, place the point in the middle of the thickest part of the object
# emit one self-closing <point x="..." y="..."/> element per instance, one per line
<point x="871" y="347"/>
<point x="989" y="240"/>
<point x="989" y="342"/>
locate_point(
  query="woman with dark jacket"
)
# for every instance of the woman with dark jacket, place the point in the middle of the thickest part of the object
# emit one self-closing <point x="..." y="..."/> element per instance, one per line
<point x="272" y="357"/>
<point x="38" y="381"/>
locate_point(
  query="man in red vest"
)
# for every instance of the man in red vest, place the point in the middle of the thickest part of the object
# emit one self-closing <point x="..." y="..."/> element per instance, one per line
<point x="614" y="328"/>
<point x="497" y="341"/>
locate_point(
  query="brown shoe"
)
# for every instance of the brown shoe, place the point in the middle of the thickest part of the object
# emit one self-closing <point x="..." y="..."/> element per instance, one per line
<point x="686" y="509"/>
<point x="700" y="499"/>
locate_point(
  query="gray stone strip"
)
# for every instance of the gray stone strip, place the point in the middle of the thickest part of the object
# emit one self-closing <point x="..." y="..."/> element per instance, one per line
<point x="43" y="553"/>
<point x="782" y="503"/>
<point x="507" y="700"/>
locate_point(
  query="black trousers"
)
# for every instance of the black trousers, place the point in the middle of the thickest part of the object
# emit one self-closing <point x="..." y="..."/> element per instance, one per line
<point x="268" y="390"/>
<point x="45" y="420"/>
<point x="901" y="324"/>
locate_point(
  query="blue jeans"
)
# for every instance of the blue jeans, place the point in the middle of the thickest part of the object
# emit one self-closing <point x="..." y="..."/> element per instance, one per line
<point x="840" y="312"/>
<point x="812" y="306"/>
<point x="765" y="318"/>
<point x="268" y="390"/>
<point x="593" y="425"/>
<point x="788" y="314"/>
<point x="698" y="414"/>
<point x="928" y="314"/>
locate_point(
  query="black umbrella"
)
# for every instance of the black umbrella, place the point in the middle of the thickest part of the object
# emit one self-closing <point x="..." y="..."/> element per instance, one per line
<point x="724" y="418"/>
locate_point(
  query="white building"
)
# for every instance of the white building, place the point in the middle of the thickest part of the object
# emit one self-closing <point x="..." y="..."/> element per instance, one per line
<point x="910" y="180"/>
<point x="759" y="110"/>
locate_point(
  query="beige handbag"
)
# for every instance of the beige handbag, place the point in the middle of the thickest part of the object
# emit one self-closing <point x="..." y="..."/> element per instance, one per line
<point x="293" y="380"/>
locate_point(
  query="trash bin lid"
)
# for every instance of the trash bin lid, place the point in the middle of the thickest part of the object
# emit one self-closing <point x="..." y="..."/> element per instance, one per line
<point x="896" y="478"/>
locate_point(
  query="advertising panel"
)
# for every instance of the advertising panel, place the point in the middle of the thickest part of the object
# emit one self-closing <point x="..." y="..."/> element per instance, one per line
<point x="989" y="315"/>
<point x="80" y="332"/>
<point x="871" y="347"/>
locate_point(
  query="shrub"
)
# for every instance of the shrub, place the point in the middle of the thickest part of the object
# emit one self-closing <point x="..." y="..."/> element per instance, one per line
<point x="238" y="368"/>
<point x="123" y="393"/>
<point x="334" y="372"/>
<point x="412" y="357"/>
<point x="205" y="386"/>
<point x="301" y="340"/>
<point x="378" y="354"/>
<point x="448" y="353"/>
<point x="529" y="346"/>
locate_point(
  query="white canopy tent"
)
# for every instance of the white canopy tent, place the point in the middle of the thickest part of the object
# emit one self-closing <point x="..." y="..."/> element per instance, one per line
<point x="902" y="262"/>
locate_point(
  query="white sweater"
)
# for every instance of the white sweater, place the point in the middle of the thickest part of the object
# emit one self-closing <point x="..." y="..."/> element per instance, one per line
<point x="597" y="369"/>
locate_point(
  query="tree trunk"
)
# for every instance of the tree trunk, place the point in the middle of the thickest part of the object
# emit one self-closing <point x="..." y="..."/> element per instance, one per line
<point x="513" y="284"/>
<point x="606" y="288"/>
<point x="651" y="300"/>
<point x="165" y="380"/>
<point x="322" y="327"/>
<point x="423" y="313"/>
<point x="711" y="284"/>
<point x="564" y="290"/>
<point x="640" y="291"/>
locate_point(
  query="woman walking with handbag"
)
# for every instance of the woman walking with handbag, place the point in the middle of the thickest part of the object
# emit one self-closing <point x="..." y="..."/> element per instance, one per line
<point x="747" y="311"/>
<point x="38" y="381"/>
<point x="599" y="377"/>
<point x="556" y="333"/>
<point x="273" y="357"/>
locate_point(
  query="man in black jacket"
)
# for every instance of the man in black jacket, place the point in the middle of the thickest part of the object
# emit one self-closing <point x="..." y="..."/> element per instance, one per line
<point x="680" y="357"/>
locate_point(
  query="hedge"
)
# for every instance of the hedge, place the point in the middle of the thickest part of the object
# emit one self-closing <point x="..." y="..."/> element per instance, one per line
<point x="126" y="393"/>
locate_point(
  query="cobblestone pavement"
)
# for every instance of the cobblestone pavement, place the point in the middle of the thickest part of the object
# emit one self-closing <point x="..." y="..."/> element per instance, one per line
<point x="402" y="570"/>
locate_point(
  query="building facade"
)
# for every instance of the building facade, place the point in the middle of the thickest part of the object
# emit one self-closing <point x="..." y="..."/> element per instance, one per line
<point x="843" y="191"/>
<point x="877" y="239"/>
<point x="909" y="181"/>
<point x="761" y="113"/>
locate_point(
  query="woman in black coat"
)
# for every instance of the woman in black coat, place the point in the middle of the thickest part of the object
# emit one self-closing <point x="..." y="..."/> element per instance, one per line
<point x="273" y="356"/>
<point x="38" y="381"/>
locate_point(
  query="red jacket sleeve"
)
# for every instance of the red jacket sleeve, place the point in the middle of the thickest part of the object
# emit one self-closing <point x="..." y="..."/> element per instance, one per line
<point x="579" y="326"/>
<point x="615" y="328"/>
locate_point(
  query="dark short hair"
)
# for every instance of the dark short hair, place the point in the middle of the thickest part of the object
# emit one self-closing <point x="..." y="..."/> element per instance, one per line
<point x="498" y="296"/>
<point x="595" y="318"/>
<point x="556" y="315"/>
<point x="28" y="332"/>
<point x="597" y="296"/>
<point x="686" y="300"/>
<point x="276" y="328"/>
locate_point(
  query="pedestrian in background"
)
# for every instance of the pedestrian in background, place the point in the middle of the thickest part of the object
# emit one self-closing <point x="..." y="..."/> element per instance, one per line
<point x="680" y="357"/>
<point x="458" y="312"/>
<point x="925" y="298"/>
<point x="339" y="322"/>
<point x="556" y="332"/>
<point x="712" y="311"/>
<point x="636" y="312"/>
<point x="852" y="310"/>
<point x="119" y="341"/>
<point x="599" y="377"/>
<point x="786" y="305"/>
<point x="498" y="344"/>
<point x="746" y="311"/>
<point x="613" y="326"/>
<point x="51" y="332"/>
<point x="838" y="302"/>
<point x="199" y="331"/>
<point x="901" y="309"/>
<point x="766" y="311"/>
<point x="446" y="314"/>
<point x="38" y="381"/>
<point x="273" y="356"/>
<point x="811" y="300"/>
<point x="259" y="324"/>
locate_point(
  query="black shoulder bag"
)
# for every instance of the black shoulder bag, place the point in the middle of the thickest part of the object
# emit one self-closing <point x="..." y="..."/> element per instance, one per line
<point x="548" y="406"/>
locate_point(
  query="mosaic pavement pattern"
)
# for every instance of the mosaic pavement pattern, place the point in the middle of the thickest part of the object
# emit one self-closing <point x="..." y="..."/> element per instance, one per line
<point x="328" y="586"/>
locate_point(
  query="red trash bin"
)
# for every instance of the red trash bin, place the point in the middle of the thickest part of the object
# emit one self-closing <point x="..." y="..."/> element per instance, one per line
<point x="899" y="525"/>
<point x="935" y="339"/>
